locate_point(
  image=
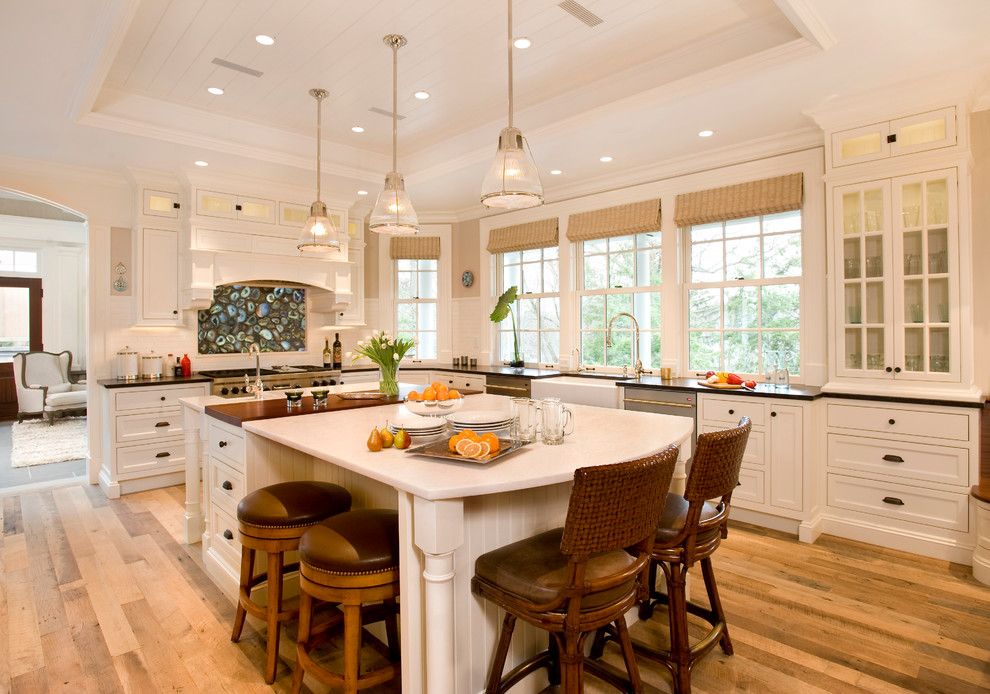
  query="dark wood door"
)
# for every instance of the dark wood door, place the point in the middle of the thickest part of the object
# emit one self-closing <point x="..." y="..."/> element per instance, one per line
<point x="8" y="391"/>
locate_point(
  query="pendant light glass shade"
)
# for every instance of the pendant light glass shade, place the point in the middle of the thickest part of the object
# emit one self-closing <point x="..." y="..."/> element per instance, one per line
<point x="394" y="213"/>
<point x="513" y="181"/>
<point x="318" y="235"/>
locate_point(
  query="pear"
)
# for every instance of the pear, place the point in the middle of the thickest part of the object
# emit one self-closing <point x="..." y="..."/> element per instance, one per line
<point x="375" y="441"/>
<point x="402" y="440"/>
<point x="387" y="438"/>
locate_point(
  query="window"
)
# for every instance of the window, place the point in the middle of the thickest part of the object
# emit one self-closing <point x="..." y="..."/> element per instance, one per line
<point x="620" y="274"/>
<point x="536" y="273"/>
<point x="416" y="305"/>
<point x="18" y="261"/>
<point x="744" y="294"/>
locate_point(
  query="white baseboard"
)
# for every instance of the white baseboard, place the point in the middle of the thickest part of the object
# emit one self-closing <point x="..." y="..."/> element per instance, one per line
<point x="916" y="542"/>
<point x="765" y="520"/>
<point x="809" y="530"/>
<point x="143" y="484"/>
<point x="111" y="489"/>
<point x="981" y="566"/>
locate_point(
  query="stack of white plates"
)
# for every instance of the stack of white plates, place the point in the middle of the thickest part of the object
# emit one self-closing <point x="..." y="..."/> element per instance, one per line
<point x="480" y="421"/>
<point x="418" y="427"/>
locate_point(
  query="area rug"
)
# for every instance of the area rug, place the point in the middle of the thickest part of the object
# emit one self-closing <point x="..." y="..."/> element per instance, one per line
<point x="35" y="442"/>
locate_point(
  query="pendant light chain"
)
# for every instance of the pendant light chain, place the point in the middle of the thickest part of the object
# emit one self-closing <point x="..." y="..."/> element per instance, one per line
<point x="395" y="106"/>
<point x="509" y="40"/>
<point x="319" y="141"/>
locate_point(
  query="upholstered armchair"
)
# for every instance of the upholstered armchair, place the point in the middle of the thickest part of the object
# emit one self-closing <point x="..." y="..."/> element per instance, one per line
<point x="44" y="386"/>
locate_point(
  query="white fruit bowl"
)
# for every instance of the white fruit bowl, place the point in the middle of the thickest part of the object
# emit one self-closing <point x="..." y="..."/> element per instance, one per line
<point x="434" y="408"/>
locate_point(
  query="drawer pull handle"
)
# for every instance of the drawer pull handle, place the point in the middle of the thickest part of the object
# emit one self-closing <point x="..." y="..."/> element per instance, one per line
<point x="893" y="458"/>
<point x="222" y="444"/>
<point x="161" y="424"/>
<point x="227" y="485"/>
<point x="163" y="454"/>
<point x="893" y="501"/>
<point x="662" y="403"/>
<point x="228" y="535"/>
<point x="891" y="422"/>
<point x="732" y="411"/>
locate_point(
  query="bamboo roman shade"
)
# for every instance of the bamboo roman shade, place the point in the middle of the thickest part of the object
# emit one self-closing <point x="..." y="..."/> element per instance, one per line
<point x="523" y="237"/>
<point x="621" y="220"/>
<point x="779" y="194"/>
<point x="414" y="247"/>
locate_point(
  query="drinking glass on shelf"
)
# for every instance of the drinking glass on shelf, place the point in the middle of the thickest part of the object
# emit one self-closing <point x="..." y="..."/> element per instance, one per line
<point x="938" y="262"/>
<point x="912" y="264"/>
<point x="852" y="268"/>
<point x="855" y="314"/>
<point x="917" y="313"/>
<point x="854" y="360"/>
<point x="940" y="313"/>
<point x="911" y="215"/>
<point x="939" y="363"/>
<point x="872" y="220"/>
<point x="555" y="419"/>
<point x="936" y="212"/>
<point x="913" y="362"/>
<point x="874" y="266"/>
<point x="874" y="361"/>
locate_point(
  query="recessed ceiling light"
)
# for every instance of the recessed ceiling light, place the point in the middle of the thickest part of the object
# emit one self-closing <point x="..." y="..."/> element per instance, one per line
<point x="362" y="192"/>
<point x="264" y="39"/>
<point x="706" y="133"/>
<point x="421" y="95"/>
<point x="522" y="42"/>
<point x="357" y="129"/>
<point x="606" y="159"/>
<point x="555" y="172"/>
<point x="200" y="162"/>
<point x="215" y="91"/>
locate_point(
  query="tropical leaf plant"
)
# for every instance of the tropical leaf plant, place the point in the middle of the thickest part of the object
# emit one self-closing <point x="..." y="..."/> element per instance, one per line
<point x="503" y="309"/>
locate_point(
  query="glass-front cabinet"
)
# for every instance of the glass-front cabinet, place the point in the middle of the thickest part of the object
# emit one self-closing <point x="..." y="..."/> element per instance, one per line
<point x="898" y="278"/>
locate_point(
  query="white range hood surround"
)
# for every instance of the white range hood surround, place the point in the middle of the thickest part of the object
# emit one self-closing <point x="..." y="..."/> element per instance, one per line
<point x="329" y="281"/>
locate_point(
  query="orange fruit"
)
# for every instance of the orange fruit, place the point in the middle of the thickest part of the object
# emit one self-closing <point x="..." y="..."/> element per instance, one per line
<point x="454" y="394"/>
<point x="442" y="395"/>
<point x="414" y="396"/>
<point x="429" y="395"/>
<point x="484" y="450"/>
<point x="437" y="385"/>
<point x="492" y="441"/>
<point x="470" y="435"/>
<point x="467" y="448"/>
<point x="452" y="443"/>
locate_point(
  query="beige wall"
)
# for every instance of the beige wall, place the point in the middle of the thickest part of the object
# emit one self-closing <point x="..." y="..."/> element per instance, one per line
<point x="980" y="135"/>
<point x="371" y="246"/>
<point x="466" y="240"/>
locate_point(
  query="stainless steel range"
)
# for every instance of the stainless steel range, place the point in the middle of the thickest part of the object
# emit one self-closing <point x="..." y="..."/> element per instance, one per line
<point x="229" y="383"/>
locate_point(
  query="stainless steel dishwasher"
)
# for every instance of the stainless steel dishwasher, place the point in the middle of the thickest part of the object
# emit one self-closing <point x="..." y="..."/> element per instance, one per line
<point x="678" y="403"/>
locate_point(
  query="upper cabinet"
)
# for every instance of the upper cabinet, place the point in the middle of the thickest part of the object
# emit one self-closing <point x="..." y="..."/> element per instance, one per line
<point x="159" y="277"/>
<point x="229" y="206"/>
<point x="160" y="203"/>
<point x="916" y="133"/>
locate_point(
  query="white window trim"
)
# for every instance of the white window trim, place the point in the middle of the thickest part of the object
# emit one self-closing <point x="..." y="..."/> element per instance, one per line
<point x="418" y="301"/>
<point x="386" y="292"/>
<point x="498" y="274"/>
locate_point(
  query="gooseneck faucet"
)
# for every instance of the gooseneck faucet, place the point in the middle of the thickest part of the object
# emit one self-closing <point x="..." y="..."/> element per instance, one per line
<point x="608" y="338"/>
<point x="258" y="387"/>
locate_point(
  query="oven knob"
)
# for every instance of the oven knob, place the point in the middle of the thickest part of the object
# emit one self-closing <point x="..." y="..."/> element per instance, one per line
<point x="333" y="381"/>
<point x="324" y="382"/>
<point x="224" y="391"/>
<point x="235" y="390"/>
<point x="316" y="383"/>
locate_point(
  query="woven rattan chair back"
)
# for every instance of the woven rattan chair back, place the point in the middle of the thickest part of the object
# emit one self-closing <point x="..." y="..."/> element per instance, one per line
<point x="617" y="506"/>
<point x="717" y="459"/>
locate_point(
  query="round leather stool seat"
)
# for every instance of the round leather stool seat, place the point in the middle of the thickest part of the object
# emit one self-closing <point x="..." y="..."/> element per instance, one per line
<point x="291" y="505"/>
<point x="353" y="543"/>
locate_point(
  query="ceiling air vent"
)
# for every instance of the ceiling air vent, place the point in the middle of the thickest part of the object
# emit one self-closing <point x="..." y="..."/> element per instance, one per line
<point x="384" y="112"/>
<point x="238" y="68"/>
<point x="580" y="12"/>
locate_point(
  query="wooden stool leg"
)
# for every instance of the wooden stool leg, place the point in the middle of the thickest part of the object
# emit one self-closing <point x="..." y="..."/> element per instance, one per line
<point x="709" y="574"/>
<point x="305" y="622"/>
<point x="628" y="655"/>
<point x="272" y="611"/>
<point x="244" y="593"/>
<point x="352" y="647"/>
<point x="392" y="630"/>
<point x="501" y="651"/>
<point x="572" y="662"/>
<point x="553" y="674"/>
<point x="680" y="648"/>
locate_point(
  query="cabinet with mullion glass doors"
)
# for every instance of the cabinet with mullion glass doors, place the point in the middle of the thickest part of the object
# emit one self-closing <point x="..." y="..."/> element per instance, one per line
<point x="898" y="287"/>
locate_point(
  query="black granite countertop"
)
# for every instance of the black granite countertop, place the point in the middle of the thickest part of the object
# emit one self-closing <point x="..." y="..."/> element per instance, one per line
<point x="794" y="392"/>
<point x="163" y="381"/>
<point x="491" y="370"/>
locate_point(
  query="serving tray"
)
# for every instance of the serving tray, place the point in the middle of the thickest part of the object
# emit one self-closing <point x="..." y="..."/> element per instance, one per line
<point x="362" y="395"/>
<point x="439" y="449"/>
<point x="721" y="386"/>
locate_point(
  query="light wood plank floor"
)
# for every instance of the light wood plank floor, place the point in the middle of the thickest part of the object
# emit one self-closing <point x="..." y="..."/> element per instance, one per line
<point x="101" y="596"/>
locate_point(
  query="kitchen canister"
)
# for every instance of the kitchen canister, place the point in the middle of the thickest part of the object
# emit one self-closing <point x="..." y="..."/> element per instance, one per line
<point x="126" y="364"/>
<point x="151" y="365"/>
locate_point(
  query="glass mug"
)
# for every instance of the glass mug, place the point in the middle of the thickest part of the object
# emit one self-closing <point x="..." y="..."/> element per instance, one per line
<point x="525" y="419"/>
<point x="555" y="418"/>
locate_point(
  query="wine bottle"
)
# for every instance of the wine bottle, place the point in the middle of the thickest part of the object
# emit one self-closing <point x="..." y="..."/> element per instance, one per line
<point x="327" y="356"/>
<point x="338" y="351"/>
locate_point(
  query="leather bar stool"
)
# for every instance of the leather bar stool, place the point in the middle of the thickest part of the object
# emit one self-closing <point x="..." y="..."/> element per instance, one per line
<point x="573" y="580"/>
<point x="353" y="560"/>
<point x="691" y="529"/>
<point x="272" y="519"/>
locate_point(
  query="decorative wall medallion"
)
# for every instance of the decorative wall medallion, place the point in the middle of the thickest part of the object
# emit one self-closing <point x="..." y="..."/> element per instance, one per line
<point x="272" y="317"/>
<point x="120" y="284"/>
<point x="467" y="278"/>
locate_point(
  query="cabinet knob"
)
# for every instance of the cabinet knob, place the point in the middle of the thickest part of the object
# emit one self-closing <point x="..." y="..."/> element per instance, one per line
<point x="773" y="414"/>
<point x="888" y="369"/>
<point x="162" y="398"/>
<point x="897" y="369"/>
<point x="175" y="312"/>
<point x="237" y="207"/>
<point x="176" y="205"/>
<point x="227" y="485"/>
<point x="893" y="501"/>
<point x="732" y="411"/>
<point x="222" y="444"/>
<point x="891" y="422"/>
<point x="228" y="535"/>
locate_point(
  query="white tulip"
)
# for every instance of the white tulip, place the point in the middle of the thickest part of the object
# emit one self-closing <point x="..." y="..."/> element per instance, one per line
<point x="396" y="355"/>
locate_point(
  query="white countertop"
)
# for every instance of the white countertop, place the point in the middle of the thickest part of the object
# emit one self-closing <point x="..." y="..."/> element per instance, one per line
<point x="601" y="435"/>
<point x="201" y="402"/>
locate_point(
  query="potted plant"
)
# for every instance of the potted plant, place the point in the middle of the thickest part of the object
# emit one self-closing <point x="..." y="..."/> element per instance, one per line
<point x="502" y="309"/>
<point x="386" y="352"/>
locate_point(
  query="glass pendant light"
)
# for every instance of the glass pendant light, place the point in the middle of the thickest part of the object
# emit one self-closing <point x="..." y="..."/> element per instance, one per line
<point x="513" y="182"/>
<point x="318" y="234"/>
<point x="394" y="213"/>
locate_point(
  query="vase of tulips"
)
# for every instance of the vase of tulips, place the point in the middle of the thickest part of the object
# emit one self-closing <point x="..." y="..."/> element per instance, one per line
<point x="386" y="352"/>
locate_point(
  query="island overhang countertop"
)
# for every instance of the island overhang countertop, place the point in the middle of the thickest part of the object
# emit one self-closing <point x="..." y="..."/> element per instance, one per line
<point x="601" y="435"/>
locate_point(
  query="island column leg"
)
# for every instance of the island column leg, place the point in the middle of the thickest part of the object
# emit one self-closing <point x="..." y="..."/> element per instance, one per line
<point x="194" y="488"/>
<point x="439" y="531"/>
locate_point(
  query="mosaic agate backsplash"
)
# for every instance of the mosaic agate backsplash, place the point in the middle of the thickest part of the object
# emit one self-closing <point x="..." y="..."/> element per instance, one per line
<point x="272" y="317"/>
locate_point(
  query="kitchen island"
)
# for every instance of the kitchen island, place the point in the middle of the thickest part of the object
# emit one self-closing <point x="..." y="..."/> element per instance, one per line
<point x="449" y="513"/>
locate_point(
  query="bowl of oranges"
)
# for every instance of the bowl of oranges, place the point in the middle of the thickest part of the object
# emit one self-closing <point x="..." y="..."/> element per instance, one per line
<point x="435" y="399"/>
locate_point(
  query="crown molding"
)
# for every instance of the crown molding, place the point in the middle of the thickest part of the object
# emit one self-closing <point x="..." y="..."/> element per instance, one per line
<point x="118" y="16"/>
<point x="803" y="17"/>
<point x="81" y="174"/>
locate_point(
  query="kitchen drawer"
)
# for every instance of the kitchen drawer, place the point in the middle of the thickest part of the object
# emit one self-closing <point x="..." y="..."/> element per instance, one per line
<point x="731" y="409"/>
<point x="911" y="460"/>
<point x="891" y="500"/>
<point x="512" y="386"/>
<point x="755" y="453"/>
<point x="643" y="396"/>
<point x="223" y="537"/>
<point x="150" y="459"/>
<point x="750" y="486"/>
<point x="460" y="381"/>
<point x="140" y="399"/>
<point x="226" y="444"/>
<point x="134" y="428"/>
<point x="891" y="420"/>
<point x="983" y="526"/>
<point x="226" y="485"/>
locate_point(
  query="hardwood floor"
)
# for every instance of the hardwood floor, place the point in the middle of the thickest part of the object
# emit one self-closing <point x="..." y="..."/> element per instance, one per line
<point x="100" y="596"/>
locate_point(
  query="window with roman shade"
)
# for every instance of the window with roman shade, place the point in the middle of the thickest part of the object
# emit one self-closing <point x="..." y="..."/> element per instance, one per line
<point x="415" y="260"/>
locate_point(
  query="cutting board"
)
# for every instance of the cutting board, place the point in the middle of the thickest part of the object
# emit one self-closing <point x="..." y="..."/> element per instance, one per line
<point x="721" y="386"/>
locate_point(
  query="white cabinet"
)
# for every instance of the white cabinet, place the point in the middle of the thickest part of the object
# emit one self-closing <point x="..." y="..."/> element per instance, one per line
<point x="229" y="206"/>
<point x="786" y="438"/>
<point x="459" y="380"/>
<point x="159" y="277"/>
<point x="354" y="313"/>
<point x="291" y="214"/>
<point x="160" y="203"/>
<point x="370" y="376"/>
<point x="915" y="133"/>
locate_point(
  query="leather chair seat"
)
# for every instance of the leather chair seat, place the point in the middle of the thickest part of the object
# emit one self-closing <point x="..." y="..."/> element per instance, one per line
<point x="675" y="515"/>
<point x="292" y="504"/>
<point x="535" y="570"/>
<point x="365" y="541"/>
